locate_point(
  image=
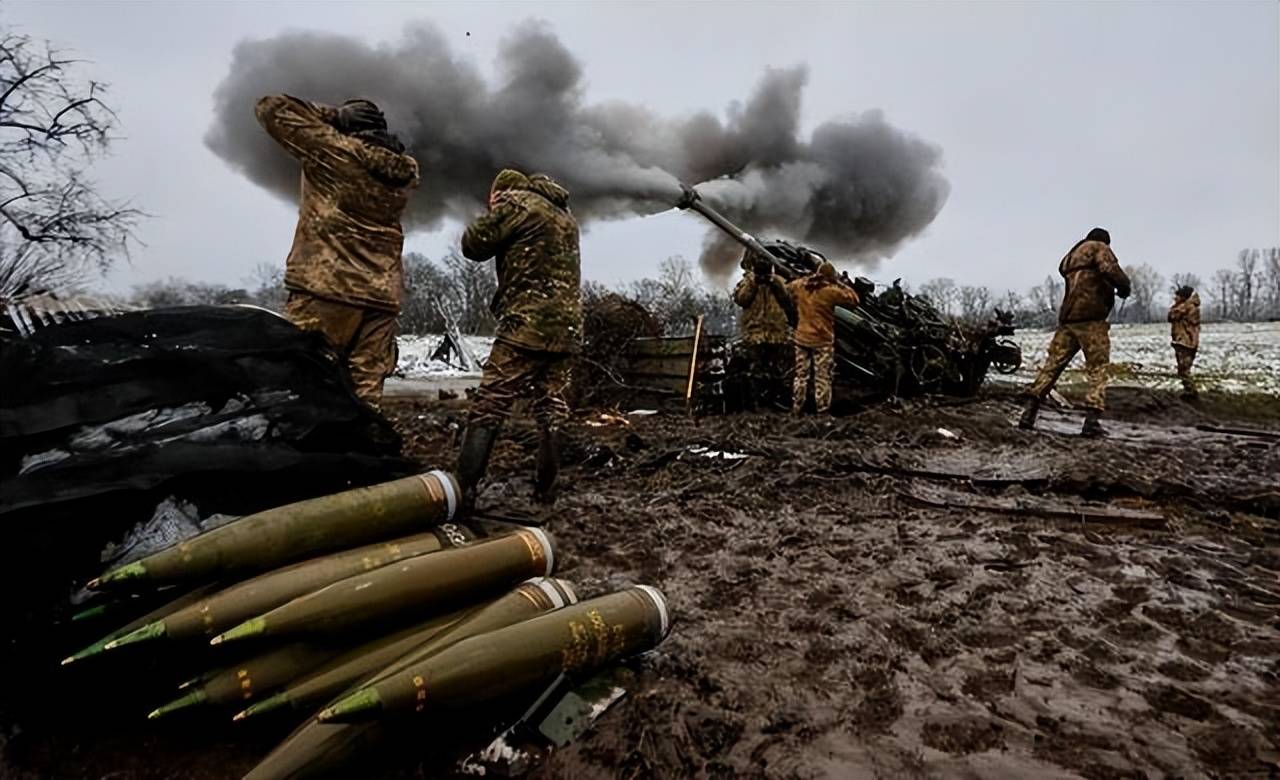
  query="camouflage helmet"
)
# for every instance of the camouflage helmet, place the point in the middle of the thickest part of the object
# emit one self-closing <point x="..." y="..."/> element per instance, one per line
<point x="826" y="270"/>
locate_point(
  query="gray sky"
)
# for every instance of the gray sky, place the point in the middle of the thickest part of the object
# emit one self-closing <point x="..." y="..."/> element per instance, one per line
<point x="1158" y="121"/>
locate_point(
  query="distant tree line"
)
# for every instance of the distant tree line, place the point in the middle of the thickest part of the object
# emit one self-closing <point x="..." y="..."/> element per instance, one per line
<point x="461" y="290"/>
<point x="1247" y="292"/>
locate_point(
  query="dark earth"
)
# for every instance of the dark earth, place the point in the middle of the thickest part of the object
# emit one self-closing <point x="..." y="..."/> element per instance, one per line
<point x="912" y="591"/>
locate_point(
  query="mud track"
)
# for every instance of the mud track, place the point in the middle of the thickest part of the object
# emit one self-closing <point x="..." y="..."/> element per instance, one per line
<point x="831" y="624"/>
<point x="915" y="592"/>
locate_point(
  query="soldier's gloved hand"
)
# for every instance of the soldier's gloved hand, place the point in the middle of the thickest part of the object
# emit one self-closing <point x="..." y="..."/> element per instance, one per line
<point x="355" y="115"/>
<point x="1122" y="294"/>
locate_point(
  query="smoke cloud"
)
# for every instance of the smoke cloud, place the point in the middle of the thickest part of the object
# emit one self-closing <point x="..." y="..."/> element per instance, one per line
<point x="855" y="189"/>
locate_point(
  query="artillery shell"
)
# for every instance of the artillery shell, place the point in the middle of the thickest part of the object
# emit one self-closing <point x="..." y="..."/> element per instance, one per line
<point x="531" y="598"/>
<point x="150" y="617"/>
<point x="295" y="531"/>
<point x="237" y="603"/>
<point x="264" y="672"/>
<point x="426" y="585"/>
<point x="572" y="641"/>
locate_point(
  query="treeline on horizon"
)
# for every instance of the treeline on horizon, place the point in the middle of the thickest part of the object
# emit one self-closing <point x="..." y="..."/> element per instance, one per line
<point x="461" y="290"/>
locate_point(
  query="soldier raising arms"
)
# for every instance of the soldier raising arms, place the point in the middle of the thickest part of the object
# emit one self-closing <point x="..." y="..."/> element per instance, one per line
<point x="344" y="272"/>
<point x="1094" y="279"/>
<point x="816" y="297"/>
<point x="533" y="238"/>
<point x="764" y="328"/>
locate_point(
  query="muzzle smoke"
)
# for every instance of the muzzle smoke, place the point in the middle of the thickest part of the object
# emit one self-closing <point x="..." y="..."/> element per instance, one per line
<point x="855" y="189"/>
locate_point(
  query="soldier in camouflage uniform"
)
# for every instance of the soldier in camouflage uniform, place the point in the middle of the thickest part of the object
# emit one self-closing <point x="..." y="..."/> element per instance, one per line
<point x="1093" y="280"/>
<point x="816" y="297"/>
<point x="1184" y="326"/>
<point x="533" y="237"/>
<point x="764" y="330"/>
<point x="344" y="271"/>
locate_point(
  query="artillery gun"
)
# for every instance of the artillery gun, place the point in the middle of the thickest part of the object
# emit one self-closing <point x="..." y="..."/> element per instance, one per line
<point x="893" y="344"/>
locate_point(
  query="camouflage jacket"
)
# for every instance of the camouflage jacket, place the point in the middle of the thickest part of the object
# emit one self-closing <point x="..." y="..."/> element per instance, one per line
<point x="816" y="310"/>
<point x="1093" y="276"/>
<point x="347" y="244"/>
<point x="762" y="319"/>
<point x="534" y="238"/>
<point x="1184" y="322"/>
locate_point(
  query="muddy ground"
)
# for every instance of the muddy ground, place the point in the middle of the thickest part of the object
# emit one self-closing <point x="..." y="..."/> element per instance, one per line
<point x="830" y="625"/>
<point x="844" y="610"/>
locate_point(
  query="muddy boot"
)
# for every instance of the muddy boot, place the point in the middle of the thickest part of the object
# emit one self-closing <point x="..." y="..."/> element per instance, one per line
<point x="1029" y="413"/>
<point x="1092" y="427"/>
<point x="547" y="468"/>
<point x="473" y="461"/>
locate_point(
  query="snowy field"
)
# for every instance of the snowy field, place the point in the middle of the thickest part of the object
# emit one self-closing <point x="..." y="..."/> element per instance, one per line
<point x="1234" y="357"/>
<point x="415" y="357"/>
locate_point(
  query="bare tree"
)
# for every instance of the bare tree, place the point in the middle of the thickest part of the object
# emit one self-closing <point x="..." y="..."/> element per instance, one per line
<point x="942" y="293"/>
<point x="975" y="304"/>
<point x="1043" y="301"/>
<point x="1270" y="275"/>
<point x="1145" y="285"/>
<point x="1245" y="283"/>
<point x="1223" y="287"/>
<point x="266" y="286"/>
<point x="55" y="228"/>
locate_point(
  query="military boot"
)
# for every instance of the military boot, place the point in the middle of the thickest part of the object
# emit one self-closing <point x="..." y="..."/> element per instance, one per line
<point x="547" y="468"/>
<point x="1092" y="426"/>
<point x="1029" y="413"/>
<point x="473" y="461"/>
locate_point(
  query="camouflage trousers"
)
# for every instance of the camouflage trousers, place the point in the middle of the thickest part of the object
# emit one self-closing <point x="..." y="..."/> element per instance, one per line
<point x="1185" y="357"/>
<point x="365" y="338"/>
<point x="1092" y="338"/>
<point x="820" y="362"/>
<point x="512" y="374"/>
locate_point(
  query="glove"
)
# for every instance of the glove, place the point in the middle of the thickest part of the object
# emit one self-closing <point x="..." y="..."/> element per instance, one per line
<point x="355" y="115"/>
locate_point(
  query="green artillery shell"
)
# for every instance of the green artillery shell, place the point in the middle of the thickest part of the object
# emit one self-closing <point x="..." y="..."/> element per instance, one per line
<point x="571" y="641"/>
<point x="351" y="750"/>
<point x="295" y="531"/>
<point x="243" y="681"/>
<point x="531" y="598"/>
<point x="236" y="604"/>
<point x="426" y="585"/>
<point x="152" y="616"/>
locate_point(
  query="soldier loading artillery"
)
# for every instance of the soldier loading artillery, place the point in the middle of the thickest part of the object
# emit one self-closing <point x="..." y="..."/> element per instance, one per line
<point x="890" y="344"/>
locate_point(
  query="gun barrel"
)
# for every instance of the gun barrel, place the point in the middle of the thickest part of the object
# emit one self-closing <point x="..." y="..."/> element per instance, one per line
<point x="691" y="200"/>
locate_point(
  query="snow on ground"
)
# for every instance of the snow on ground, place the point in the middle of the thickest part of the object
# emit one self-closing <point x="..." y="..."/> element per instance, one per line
<point x="414" y="361"/>
<point x="1234" y="357"/>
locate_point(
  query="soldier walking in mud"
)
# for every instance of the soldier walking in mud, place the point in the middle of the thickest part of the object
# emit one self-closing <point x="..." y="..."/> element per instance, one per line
<point x="816" y="297"/>
<point x="344" y="270"/>
<point x="533" y="237"/>
<point x="764" y="329"/>
<point x="1093" y="280"/>
<point x="1184" y="324"/>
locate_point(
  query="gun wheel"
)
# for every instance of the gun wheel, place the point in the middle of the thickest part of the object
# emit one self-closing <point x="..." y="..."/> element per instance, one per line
<point x="928" y="364"/>
<point x="1006" y="358"/>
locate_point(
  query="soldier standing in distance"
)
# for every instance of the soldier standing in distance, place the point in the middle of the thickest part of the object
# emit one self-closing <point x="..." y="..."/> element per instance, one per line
<point x="764" y="327"/>
<point x="816" y="297"/>
<point x="344" y="271"/>
<point x="1184" y="324"/>
<point x="1094" y="278"/>
<point x="533" y="238"/>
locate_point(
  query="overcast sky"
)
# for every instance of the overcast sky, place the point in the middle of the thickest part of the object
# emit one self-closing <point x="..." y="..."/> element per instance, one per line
<point x="1158" y="121"/>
